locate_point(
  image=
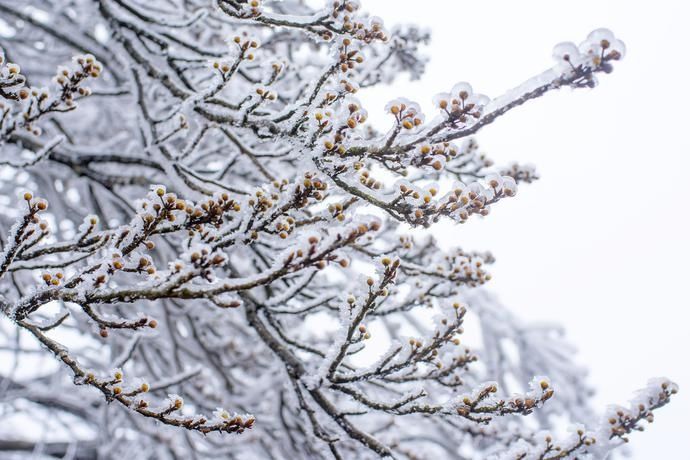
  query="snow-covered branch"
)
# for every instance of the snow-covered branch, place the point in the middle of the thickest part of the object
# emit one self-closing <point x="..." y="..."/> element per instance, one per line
<point x="216" y="225"/>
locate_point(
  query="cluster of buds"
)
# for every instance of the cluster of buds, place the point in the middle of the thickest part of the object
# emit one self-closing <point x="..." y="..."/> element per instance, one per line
<point x="134" y="264"/>
<point x="347" y="86"/>
<point x="329" y="98"/>
<point x="246" y="47"/>
<point x="324" y="118"/>
<point x="342" y="11"/>
<point x="348" y="57"/>
<point x="266" y="95"/>
<point x="462" y="161"/>
<point x="165" y="206"/>
<point x="602" y="47"/>
<point x="316" y="255"/>
<point x="336" y="142"/>
<point x="225" y="417"/>
<point x="249" y="8"/>
<point x="131" y="395"/>
<point x="374" y="31"/>
<point x="447" y="332"/>
<point x="145" y="265"/>
<point x="364" y="334"/>
<point x="480" y="405"/>
<point x="390" y="271"/>
<point x="552" y="451"/>
<point x="406" y="242"/>
<point x="300" y="193"/>
<point x="465" y="201"/>
<point x="527" y="403"/>
<point x="344" y="7"/>
<point x="419" y="206"/>
<point x="203" y="260"/>
<point x="26" y="233"/>
<point x="623" y="421"/>
<point x="38" y="96"/>
<point x="105" y="325"/>
<point x="469" y="162"/>
<point x="421" y="196"/>
<point x="11" y="81"/>
<point x="160" y="206"/>
<point x="114" y="382"/>
<point x="285" y="227"/>
<point x="69" y="82"/>
<point x="223" y="68"/>
<point x="520" y="172"/>
<point x="470" y="154"/>
<point x="337" y="211"/>
<point x="36" y="205"/>
<point x="89" y="66"/>
<point x="311" y="187"/>
<point x="302" y="254"/>
<point x="415" y="344"/>
<point x="421" y="352"/>
<point x="368" y="181"/>
<point x="461" y="105"/>
<point x="461" y="267"/>
<point x="465" y="159"/>
<point x="262" y="201"/>
<point x="363" y="229"/>
<point x="421" y="199"/>
<point x="408" y="115"/>
<point x="210" y="211"/>
<point x="356" y="115"/>
<point x="597" y="52"/>
<point x="52" y="279"/>
<point x="435" y="155"/>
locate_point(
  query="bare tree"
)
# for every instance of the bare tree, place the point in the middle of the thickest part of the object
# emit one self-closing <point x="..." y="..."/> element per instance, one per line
<point x="238" y="307"/>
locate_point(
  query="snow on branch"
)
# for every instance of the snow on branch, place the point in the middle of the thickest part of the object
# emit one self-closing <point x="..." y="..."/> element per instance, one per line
<point x="214" y="223"/>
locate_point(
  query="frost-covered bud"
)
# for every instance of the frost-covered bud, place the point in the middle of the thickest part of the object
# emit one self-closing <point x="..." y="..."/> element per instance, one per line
<point x="509" y="186"/>
<point x="601" y="47"/>
<point x="494" y="181"/>
<point x="221" y="414"/>
<point x="462" y="91"/>
<point x="442" y="100"/>
<point x="408" y="114"/>
<point x="565" y="54"/>
<point x="461" y="105"/>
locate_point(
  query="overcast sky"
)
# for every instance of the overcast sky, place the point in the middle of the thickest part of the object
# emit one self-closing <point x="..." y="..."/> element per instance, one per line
<point x="600" y="244"/>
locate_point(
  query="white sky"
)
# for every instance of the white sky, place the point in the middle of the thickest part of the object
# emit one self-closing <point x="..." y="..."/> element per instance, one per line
<point x="600" y="243"/>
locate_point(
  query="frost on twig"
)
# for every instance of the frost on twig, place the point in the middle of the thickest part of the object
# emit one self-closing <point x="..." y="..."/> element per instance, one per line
<point x="215" y="228"/>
